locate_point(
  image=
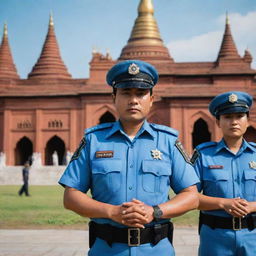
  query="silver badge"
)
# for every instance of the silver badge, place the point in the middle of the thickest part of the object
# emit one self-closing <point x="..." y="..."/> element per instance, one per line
<point x="232" y="98"/>
<point x="252" y="165"/>
<point x="133" y="69"/>
<point x="156" y="154"/>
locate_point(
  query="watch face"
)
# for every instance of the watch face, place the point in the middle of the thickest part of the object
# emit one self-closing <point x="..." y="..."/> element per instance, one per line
<point x="157" y="212"/>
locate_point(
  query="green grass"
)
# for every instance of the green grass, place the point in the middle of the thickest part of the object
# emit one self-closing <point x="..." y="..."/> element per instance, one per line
<point x="44" y="209"/>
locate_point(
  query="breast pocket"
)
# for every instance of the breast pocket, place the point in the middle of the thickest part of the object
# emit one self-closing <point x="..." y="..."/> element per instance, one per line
<point x="216" y="182"/>
<point x="249" y="184"/>
<point x="106" y="174"/>
<point x="156" y="176"/>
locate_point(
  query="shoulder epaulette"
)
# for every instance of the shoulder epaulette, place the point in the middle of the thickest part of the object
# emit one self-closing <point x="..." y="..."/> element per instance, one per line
<point x="165" y="129"/>
<point x="206" y="145"/>
<point x="98" y="127"/>
<point x="252" y="144"/>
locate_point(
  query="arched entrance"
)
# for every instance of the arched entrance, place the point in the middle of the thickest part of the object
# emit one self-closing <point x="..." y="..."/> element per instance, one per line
<point x="200" y="133"/>
<point x="23" y="151"/>
<point x="250" y="134"/>
<point x="55" y="144"/>
<point x="107" y="117"/>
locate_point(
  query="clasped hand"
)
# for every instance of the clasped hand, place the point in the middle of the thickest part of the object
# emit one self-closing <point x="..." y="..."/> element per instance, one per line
<point x="133" y="214"/>
<point x="237" y="207"/>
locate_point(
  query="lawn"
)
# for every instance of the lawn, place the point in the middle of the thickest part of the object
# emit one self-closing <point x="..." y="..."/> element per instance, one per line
<point x="44" y="209"/>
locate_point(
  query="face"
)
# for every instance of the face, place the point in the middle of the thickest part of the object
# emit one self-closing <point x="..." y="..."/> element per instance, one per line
<point x="233" y="125"/>
<point x="133" y="104"/>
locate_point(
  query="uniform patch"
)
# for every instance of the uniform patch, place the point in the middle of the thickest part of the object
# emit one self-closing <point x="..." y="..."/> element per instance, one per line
<point x="195" y="156"/>
<point x="182" y="151"/>
<point x="215" y="166"/>
<point x="79" y="149"/>
<point x="104" y="154"/>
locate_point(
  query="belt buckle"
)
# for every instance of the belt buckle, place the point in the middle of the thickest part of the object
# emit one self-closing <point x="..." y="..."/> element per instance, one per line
<point x="234" y="222"/>
<point x="133" y="233"/>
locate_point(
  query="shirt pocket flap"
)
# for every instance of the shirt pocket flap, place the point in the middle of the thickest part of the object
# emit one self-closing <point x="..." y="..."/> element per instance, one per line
<point x="106" y="166"/>
<point x="215" y="174"/>
<point x="250" y="174"/>
<point x="156" y="167"/>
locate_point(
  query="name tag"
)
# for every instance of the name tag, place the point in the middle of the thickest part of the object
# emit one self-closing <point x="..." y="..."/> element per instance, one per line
<point x="215" y="166"/>
<point x="104" y="154"/>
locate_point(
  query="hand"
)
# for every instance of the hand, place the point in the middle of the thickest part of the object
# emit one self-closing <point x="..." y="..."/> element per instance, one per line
<point x="131" y="214"/>
<point x="236" y="207"/>
<point x="137" y="214"/>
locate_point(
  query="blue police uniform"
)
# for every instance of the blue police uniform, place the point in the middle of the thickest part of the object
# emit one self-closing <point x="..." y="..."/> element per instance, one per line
<point x="117" y="168"/>
<point x="227" y="175"/>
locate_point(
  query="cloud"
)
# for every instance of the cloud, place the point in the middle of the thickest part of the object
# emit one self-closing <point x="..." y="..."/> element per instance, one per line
<point x="205" y="47"/>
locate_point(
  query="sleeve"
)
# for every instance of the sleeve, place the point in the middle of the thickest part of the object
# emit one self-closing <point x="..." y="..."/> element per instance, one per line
<point x="197" y="162"/>
<point x="77" y="174"/>
<point x="183" y="173"/>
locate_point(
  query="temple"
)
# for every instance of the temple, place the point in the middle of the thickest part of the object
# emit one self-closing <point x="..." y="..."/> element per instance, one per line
<point x="50" y="109"/>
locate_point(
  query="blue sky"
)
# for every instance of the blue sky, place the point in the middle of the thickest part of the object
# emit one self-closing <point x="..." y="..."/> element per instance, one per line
<point x="191" y="29"/>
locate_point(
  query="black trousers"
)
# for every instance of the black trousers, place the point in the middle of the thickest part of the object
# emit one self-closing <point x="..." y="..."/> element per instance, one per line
<point x="24" y="189"/>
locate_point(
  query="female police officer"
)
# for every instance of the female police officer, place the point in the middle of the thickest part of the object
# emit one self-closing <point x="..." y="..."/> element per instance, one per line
<point x="227" y="171"/>
<point x="130" y="165"/>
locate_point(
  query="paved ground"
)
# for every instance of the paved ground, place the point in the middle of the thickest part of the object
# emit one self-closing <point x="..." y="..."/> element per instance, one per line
<point x="74" y="242"/>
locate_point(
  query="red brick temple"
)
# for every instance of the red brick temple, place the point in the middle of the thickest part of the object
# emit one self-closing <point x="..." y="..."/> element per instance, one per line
<point x="49" y="110"/>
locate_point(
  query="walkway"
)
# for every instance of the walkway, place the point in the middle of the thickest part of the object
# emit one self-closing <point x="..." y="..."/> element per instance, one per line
<point x="74" y="242"/>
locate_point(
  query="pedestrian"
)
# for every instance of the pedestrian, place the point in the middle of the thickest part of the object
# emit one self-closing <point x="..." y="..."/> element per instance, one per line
<point x="227" y="170"/>
<point x="129" y="166"/>
<point x="25" y="176"/>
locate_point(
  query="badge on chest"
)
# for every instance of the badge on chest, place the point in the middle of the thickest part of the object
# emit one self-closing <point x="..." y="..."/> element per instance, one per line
<point x="252" y="165"/>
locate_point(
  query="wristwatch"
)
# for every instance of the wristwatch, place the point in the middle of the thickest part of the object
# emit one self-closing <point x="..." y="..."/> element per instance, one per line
<point x="158" y="213"/>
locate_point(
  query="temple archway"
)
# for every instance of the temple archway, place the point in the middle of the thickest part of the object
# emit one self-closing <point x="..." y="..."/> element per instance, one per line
<point x="106" y="118"/>
<point x="250" y="134"/>
<point x="200" y="133"/>
<point x="58" y="145"/>
<point x="23" y="151"/>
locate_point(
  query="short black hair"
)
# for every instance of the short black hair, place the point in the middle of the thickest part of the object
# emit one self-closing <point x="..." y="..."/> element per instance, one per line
<point x="114" y="91"/>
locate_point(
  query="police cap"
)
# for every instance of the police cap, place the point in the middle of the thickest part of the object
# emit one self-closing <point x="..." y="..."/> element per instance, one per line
<point x="230" y="102"/>
<point x="132" y="74"/>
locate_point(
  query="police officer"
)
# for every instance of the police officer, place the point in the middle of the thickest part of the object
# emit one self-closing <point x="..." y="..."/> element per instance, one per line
<point x="129" y="166"/>
<point x="227" y="170"/>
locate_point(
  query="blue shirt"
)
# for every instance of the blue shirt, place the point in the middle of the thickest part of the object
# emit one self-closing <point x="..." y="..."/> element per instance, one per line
<point x="118" y="169"/>
<point x="225" y="174"/>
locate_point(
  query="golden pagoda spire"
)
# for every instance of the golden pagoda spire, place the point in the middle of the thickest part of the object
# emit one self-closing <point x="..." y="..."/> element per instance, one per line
<point x="145" y="41"/>
<point x="146" y="6"/>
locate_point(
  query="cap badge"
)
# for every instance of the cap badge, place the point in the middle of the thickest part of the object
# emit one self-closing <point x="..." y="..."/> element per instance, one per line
<point x="232" y="98"/>
<point x="252" y="165"/>
<point x="156" y="154"/>
<point x="133" y="69"/>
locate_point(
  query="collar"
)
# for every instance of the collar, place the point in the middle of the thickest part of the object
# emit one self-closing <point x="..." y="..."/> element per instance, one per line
<point x="117" y="127"/>
<point x="222" y="145"/>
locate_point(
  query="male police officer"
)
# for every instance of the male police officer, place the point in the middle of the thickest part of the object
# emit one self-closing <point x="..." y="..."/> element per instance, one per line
<point x="130" y="165"/>
<point x="227" y="170"/>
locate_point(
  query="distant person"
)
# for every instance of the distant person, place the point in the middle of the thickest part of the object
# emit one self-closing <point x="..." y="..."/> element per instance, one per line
<point x="227" y="170"/>
<point x="25" y="175"/>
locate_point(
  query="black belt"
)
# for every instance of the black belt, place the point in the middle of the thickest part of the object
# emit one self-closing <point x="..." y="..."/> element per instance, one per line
<point x="228" y="223"/>
<point x="130" y="236"/>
